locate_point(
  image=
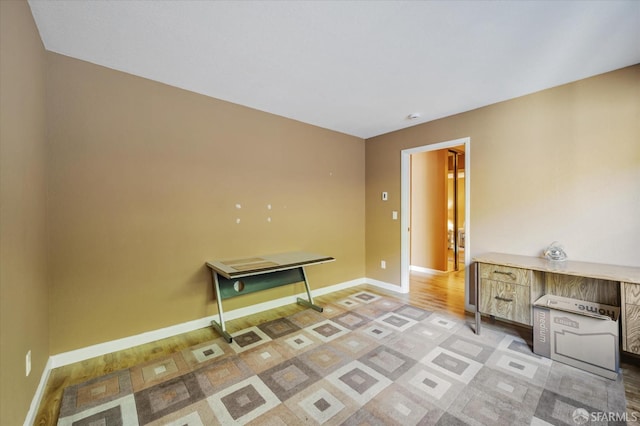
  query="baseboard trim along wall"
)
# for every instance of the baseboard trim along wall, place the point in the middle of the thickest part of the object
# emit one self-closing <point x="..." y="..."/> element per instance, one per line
<point x="37" y="397"/>
<point x="100" y="349"/>
<point x="427" y="271"/>
<point x="386" y="286"/>
<point x="82" y="354"/>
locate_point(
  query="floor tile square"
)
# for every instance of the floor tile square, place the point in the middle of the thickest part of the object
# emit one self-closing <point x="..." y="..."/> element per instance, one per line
<point x="199" y="355"/>
<point x="324" y="359"/>
<point x="452" y="364"/>
<point x="321" y="403"/>
<point x="158" y="371"/>
<point x="412" y="312"/>
<point x="298" y="343"/>
<point x="365" y="297"/>
<point x="413" y="345"/>
<point x="348" y="303"/>
<point x="219" y="375"/>
<point x="351" y="320"/>
<point x="444" y="322"/>
<point x="358" y="381"/>
<point x="288" y="378"/>
<point x="355" y="344"/>
<point x="520" y="366"/>
<point x="388" y="362"/>
<point x="243" y="402"/>
<point x="378" y="332"/>
<point x="396" y="321"/>
<point x="438" y="388"/>
<point x="121" y="411"/>
<point x="95" y="392"/>
<point x="327" y="330"/>
<point x="159" y="400"/>
<point x="278" y="328"/>
<point x="395" y="405"/>
<point x="264" y="356"/>
<point x="307" y="317"/>
<point x="198" y="414"/>
<point x="281" y="415"/>
<point x="248" y="338"/>
<point x="468" y="348"/>
<point x="559" y="409"/>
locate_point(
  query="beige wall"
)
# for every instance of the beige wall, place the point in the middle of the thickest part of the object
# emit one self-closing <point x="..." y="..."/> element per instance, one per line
<point x="144" y="181"/>
<point x="134" y="185"/>
<point x="429" y="210"/>
<point x="562" y="164"/>
<point x="24" y="293"/>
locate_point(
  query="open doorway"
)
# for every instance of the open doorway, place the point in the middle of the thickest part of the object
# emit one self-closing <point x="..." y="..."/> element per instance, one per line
<point x="437" y="211"/>
<point x="435" y="188"/>
<point x="455" y="209"/>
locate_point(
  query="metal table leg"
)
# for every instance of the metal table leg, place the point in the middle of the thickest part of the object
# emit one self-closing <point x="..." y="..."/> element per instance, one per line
<point x="219" y="327"/>
<point x="308" y="303"/>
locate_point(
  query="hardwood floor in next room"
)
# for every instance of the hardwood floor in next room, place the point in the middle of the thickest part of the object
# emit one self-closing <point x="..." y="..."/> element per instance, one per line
<point x="444" y="293"/>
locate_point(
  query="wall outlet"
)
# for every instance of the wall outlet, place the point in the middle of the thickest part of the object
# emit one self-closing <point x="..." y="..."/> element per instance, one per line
<point x="385" y="196"/>
<point x="383" y="264"/>
<point x="27" y="363"/>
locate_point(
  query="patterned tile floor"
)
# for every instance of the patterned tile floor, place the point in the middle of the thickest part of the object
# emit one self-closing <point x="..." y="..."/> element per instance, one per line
<point x="366" y="360"/>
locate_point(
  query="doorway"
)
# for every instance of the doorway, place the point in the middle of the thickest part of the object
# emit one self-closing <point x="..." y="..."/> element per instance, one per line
<point x="450" y="238"/>
<point x="455" y="208"/>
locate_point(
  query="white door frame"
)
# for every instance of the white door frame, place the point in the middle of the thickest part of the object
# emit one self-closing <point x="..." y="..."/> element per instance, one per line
<point x="405" y="203"/>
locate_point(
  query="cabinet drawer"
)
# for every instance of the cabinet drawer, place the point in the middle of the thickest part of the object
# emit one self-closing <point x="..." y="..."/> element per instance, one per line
<point x="507" y="274"/>
<point x="506" y="300"/>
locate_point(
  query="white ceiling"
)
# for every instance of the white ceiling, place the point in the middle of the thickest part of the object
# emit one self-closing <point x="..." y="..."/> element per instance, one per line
<point x="357" y="67"/>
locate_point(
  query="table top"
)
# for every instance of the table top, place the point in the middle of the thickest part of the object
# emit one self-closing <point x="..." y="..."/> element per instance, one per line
<point x="602" y="271"/>
<point x="248" y="266"/>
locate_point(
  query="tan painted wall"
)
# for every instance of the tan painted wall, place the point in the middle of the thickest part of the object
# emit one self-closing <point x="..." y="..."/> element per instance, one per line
<point x="429" y="210"/>
<point x="144" y="183"/>
<point x="562" y="164"/>
<point x="24" y="293"/>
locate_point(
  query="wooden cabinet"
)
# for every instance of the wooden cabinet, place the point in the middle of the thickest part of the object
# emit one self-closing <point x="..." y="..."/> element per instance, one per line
<point x="507" y="285"/>
<point x="507" y="292"/>
<point x="630" y="295"/>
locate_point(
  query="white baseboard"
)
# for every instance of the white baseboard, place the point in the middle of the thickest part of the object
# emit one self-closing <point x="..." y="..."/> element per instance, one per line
<point x="37" y="397"/>
<point x="386" y="286"/>
<point x="100" y="349"/>
<point x="420" y="269"/>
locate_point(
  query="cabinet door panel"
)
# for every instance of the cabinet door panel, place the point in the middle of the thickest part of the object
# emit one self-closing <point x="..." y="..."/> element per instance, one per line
<point x="632" y="293"/>
<point x="631" y="342"/>
<point x="583" y="288"/>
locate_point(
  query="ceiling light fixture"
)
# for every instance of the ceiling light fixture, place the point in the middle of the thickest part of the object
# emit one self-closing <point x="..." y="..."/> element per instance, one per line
<point x="413" y="116"/>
